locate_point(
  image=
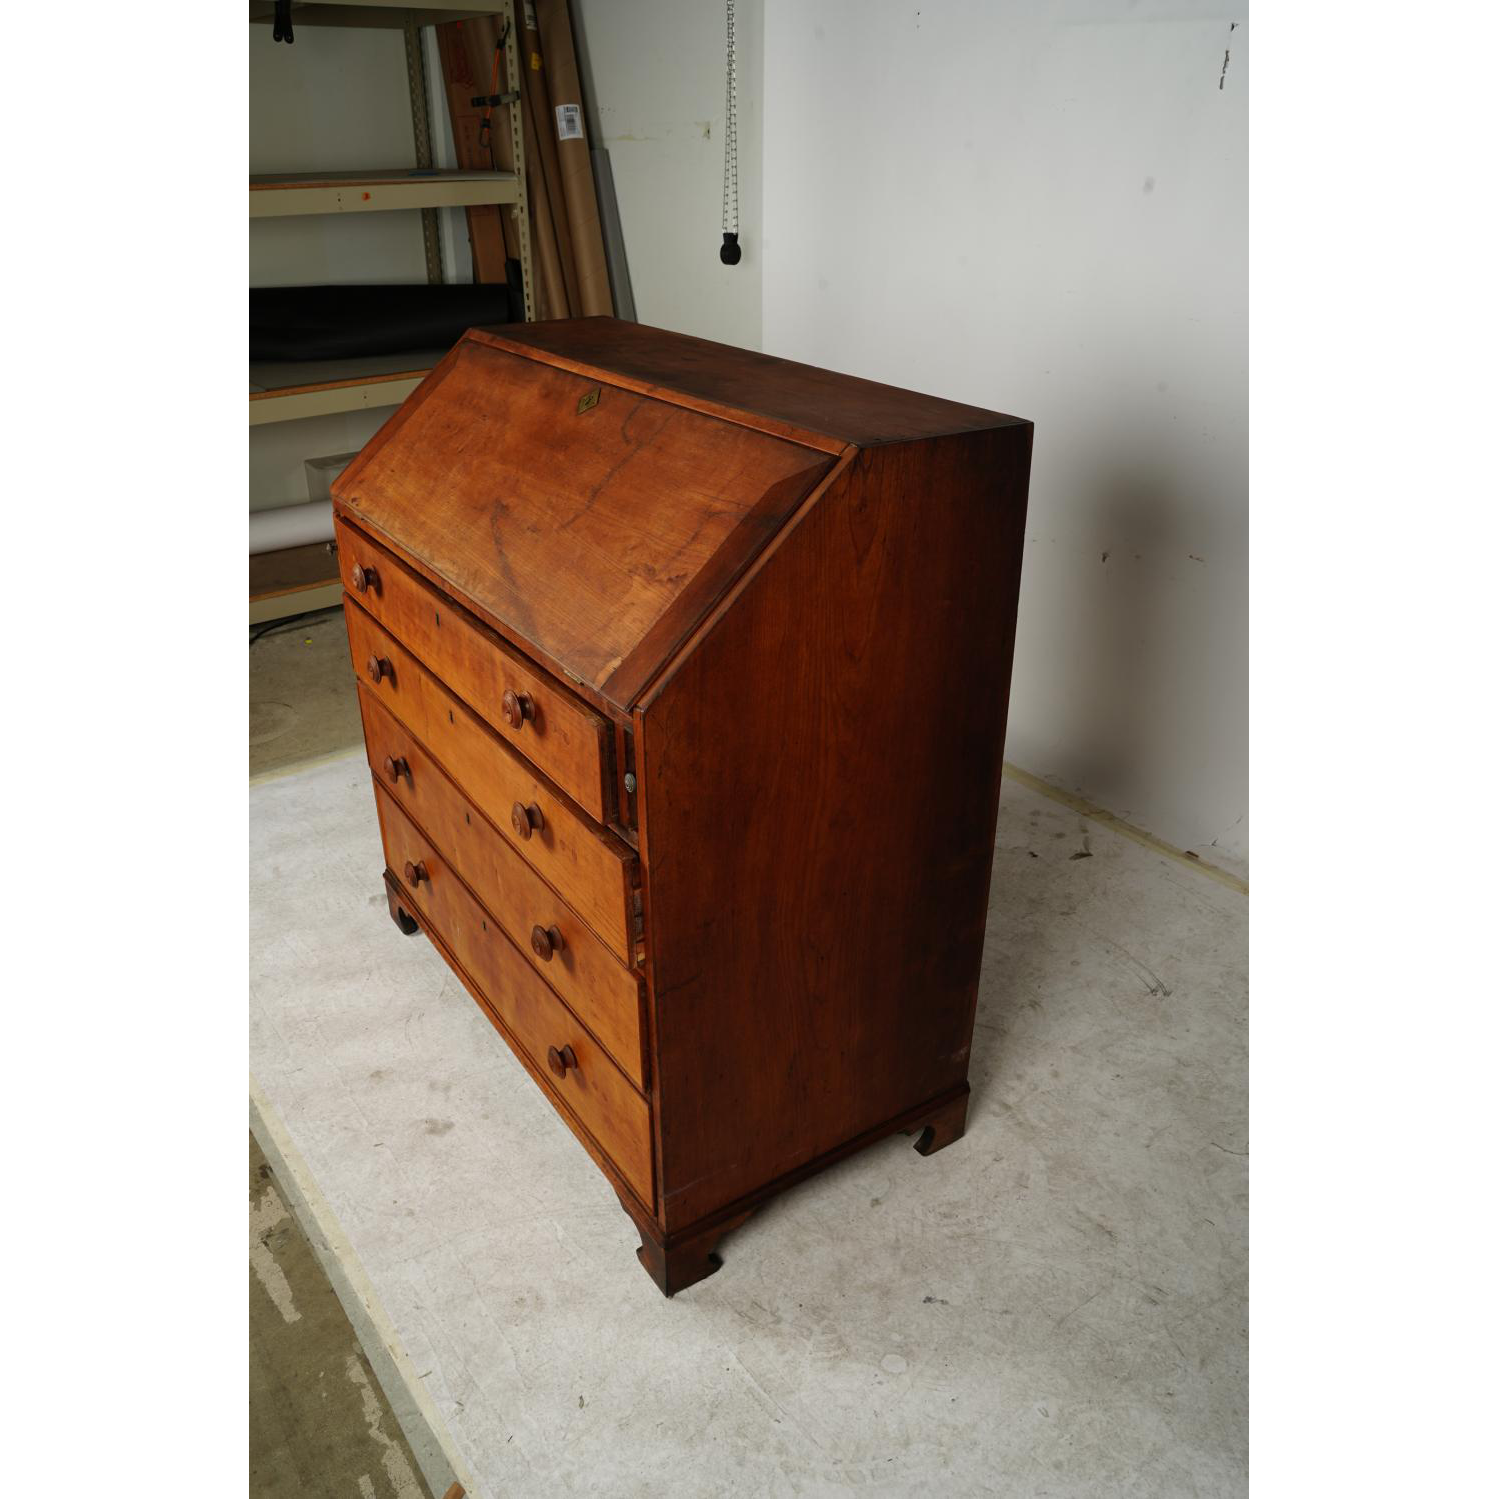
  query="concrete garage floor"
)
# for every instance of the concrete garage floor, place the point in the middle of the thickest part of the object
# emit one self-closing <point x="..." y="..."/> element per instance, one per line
<point x="1053" y="1306"/>
<point x="302" y="701"/>
<point x="319" y="1421"/>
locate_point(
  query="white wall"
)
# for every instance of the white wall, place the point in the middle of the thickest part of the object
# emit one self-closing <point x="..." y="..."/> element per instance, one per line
<point x="658" y="78"/>
<point x="1040" y="206"/>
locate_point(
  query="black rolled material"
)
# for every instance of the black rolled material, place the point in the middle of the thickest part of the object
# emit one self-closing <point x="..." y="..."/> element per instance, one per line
<point x="345" y="322"/>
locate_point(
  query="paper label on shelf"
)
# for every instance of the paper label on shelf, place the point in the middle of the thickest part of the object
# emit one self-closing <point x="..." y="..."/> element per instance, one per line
<point x="569" y="122"/>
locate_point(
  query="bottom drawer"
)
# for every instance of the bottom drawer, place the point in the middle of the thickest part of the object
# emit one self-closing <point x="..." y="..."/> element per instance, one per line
<point x="536" y="1022"/>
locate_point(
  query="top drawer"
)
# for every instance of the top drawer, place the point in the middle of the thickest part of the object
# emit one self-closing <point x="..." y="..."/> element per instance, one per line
<point x="557" y="732"/>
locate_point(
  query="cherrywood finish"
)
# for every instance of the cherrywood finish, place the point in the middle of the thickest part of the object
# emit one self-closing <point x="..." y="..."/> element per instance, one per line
<point x="398" y="912"/>
<point x="860" y="813"/>
<point x="687" y="1259"/>
<point x="562" y="736"/>
<point x="780" y="392"/>
<point x="599" y="989"/>
<point x="677" y="1260"/>
<point x="526" y="820"/>
<point x="594" y="1089"/>
<point x="592" y="870"/>
<point x="792" y="596"/>
<point x="598" y="537"/>
<point x="945" y="1126"/>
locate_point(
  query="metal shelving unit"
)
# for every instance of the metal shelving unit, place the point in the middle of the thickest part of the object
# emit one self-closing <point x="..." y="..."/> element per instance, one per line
<point x="325" y="387"/>
<point x="387" y="15"/>
<point x="290" y="584"/>
<point x="279" y="196"/>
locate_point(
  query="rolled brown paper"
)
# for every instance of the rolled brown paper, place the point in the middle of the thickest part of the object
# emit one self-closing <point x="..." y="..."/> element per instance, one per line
<point x="576" y="164"/>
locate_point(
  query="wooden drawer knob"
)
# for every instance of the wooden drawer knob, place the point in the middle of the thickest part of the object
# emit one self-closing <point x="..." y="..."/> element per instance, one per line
<point x="365" y="579"/>
<point x="560" y="1061"/>
<point x="416" y="873"/>
<point x="396" y="767"/>
<point x="546" y="940"/>
<point x="526" y="820"/>
<point x="516" y="708"/>
<point x="379" y="666"/>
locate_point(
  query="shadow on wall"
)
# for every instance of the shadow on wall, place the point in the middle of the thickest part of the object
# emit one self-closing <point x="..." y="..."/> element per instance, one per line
<point x="1127" y="618"/>
<point x="1143" y="637"/>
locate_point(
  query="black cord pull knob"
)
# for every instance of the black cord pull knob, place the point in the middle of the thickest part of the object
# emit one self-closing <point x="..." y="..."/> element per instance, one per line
<point x="730" y="251"/>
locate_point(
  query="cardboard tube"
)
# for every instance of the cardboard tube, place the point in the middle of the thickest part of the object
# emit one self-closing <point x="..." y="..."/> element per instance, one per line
<point x="290" y="526"/>
<point x="541" y="147"/>
<point x="551" y="285"/>
<point x="574" y="161"/>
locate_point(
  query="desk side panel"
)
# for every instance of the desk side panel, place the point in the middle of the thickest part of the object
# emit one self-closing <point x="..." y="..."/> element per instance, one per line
<point x="819" y="783"/>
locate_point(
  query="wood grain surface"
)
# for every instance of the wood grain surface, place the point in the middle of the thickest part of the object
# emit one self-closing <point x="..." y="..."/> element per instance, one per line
<point x="819" y="787"/>
<point x="593" y="871"/>
<point x="597" y="987"/>
<point x="592" y="524"/>
<point x="802" y="396"/>
<point x="562" y="736"/>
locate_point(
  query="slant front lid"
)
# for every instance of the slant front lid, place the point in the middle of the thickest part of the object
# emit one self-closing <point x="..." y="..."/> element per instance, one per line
<point x="592" y="523"/>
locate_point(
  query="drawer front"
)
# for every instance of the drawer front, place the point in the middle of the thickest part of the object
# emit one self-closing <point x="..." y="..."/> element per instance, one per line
<point x="597" y="987"/>
<point x="592" y="870"/>
<point x="594" y="1090"/>
<point x="559" y="733"/>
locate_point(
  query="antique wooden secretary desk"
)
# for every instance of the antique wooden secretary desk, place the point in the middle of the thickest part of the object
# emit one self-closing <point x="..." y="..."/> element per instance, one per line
<point x="684" y="674"/>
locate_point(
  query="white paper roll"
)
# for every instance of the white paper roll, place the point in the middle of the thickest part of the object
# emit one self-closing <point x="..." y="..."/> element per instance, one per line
<point x="290" y="526"/>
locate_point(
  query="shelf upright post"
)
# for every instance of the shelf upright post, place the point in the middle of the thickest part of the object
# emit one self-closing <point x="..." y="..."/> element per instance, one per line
<point x="421" y="131"/>
<point x="521" y="208"/>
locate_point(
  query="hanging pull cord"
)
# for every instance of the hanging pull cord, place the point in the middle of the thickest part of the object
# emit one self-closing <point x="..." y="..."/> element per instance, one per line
<point x="281" y="28"/>
<point x="729" y="253"/>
